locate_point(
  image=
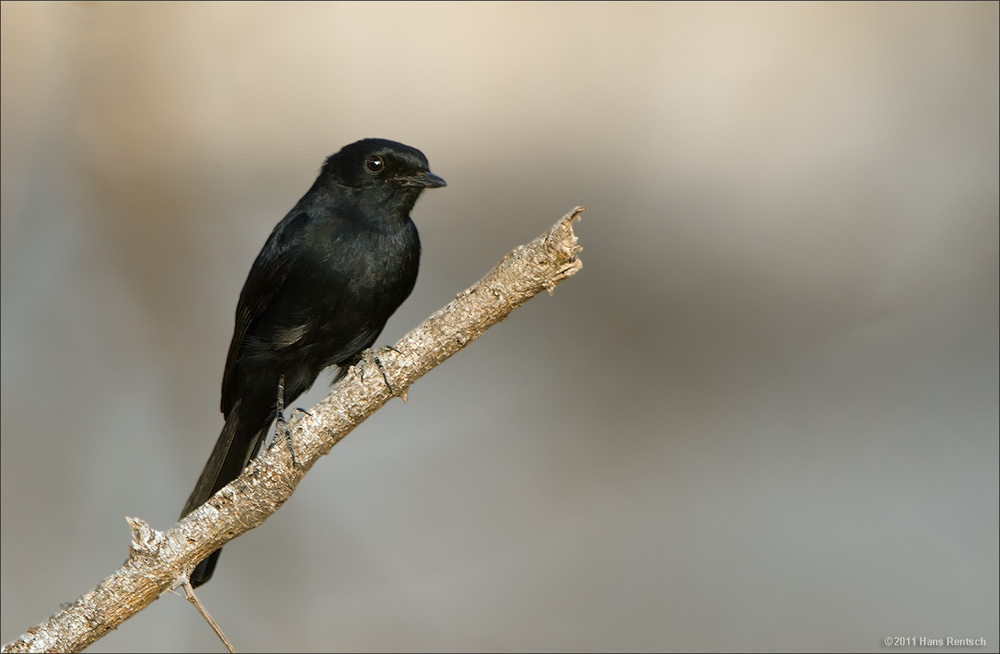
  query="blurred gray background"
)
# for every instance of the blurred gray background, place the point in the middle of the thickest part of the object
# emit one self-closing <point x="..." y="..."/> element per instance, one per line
<point x="763" y="417"/>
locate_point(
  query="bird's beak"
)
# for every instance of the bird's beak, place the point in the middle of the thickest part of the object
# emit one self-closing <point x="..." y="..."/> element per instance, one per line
<point x="424" y="180"/>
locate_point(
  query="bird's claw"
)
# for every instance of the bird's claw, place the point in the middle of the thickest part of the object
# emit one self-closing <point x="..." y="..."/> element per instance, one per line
<point x="381" y="369"/>
<point x="360" y="367"/>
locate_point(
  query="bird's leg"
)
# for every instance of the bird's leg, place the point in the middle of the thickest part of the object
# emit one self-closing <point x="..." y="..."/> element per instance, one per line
<point x="281" y="427"/>
<point x="279" y="413"/>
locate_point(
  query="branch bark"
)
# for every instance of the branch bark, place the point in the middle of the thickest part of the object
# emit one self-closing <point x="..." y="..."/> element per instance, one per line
<point x="159" y="561"/>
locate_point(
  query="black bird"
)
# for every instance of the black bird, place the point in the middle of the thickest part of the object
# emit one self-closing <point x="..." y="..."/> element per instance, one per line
<point x="319" y="293"/>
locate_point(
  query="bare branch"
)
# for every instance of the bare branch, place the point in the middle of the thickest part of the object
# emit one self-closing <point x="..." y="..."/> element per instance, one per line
<point x="160" y="561"/>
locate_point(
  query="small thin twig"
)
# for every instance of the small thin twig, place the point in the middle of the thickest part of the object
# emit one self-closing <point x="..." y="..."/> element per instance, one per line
<point x="193" y="598"/>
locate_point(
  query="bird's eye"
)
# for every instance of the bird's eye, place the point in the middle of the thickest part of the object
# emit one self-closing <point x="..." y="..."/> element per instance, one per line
<point x="374" y="164"/>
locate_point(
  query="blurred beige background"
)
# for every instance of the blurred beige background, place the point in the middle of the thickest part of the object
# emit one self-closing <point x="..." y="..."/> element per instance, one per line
<point x="763" y="417"/>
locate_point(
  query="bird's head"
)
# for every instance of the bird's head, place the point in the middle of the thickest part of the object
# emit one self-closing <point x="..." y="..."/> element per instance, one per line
<point x="382" y="164"/>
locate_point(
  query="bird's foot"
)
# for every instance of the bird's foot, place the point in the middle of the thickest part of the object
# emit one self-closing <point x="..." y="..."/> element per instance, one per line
<point x="381" y="369"/>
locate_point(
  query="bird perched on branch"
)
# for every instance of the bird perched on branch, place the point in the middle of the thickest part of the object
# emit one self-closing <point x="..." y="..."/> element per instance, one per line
<point x="319" y="293"/>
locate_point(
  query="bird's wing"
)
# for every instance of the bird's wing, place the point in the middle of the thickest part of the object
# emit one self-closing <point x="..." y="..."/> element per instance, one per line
<point x="264" y="282"/>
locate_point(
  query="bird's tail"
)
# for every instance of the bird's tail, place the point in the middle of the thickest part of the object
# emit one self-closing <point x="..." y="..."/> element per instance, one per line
<point x="232" y="452"/>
